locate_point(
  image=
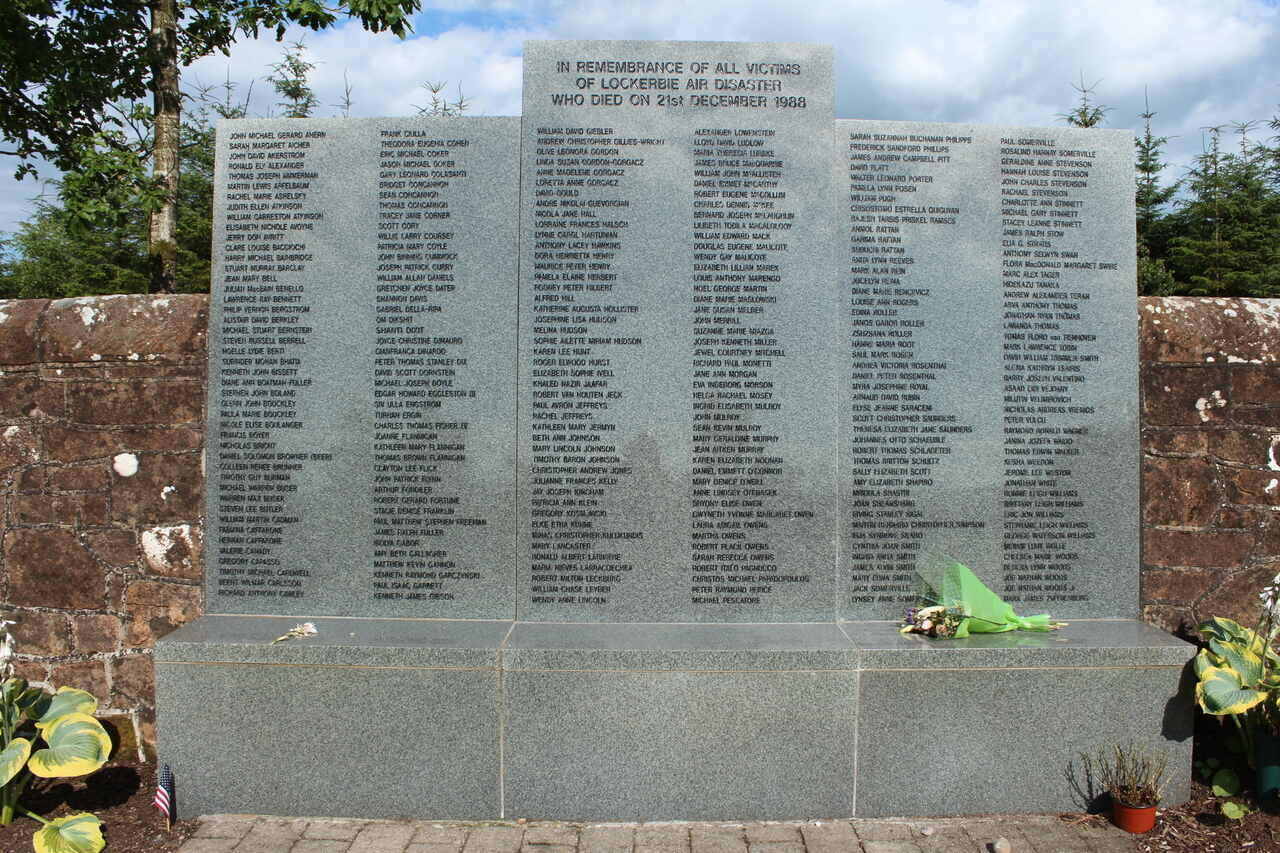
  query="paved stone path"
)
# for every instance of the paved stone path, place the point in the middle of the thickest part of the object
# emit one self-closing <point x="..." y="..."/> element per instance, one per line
<point x="1025" y="834"/>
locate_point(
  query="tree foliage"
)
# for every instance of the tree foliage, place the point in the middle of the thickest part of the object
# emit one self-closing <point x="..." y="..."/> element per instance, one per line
<point x="1227" y="231"/>
<point x="289" y="79"/>
<point x="90" y="237"/>
<point x="1214" y="232"/>
<point x="65" y="64"/>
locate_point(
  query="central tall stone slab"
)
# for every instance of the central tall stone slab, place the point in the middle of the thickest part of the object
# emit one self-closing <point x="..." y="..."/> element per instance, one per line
<point x="677" y="344"/>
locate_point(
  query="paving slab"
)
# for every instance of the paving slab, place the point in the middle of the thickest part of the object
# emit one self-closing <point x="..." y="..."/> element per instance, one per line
<point x="539" y="836"/>
<point x="335" y="830"/>
<point x="210" y="845"/>
<point x="1025" y="833"/>
<point x="829" y="837"/>
<point x="662" y="838"/>
<point x="880" y="830"/>
<point x="773" y="833"/>
<point x="269" y="835"/>
<point x="717" y="838"/>
<point x="223" y="826"/>
<point x="384" y="838"/>
<point x="442" y="835"/>
<point x="607" y="839"/>
<point x="320" y="845"/>
<point x="777" y="847"/>
<point x="889" y="847"/>
<point x="984" y="833"/>
<point x="495" y="839"/>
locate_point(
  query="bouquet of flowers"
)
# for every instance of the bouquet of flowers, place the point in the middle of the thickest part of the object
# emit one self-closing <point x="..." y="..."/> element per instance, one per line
<point x="938" y="622"/>
<point x="958" y="603"/>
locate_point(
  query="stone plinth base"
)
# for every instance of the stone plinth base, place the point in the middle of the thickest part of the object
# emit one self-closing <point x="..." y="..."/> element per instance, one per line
<point x="481" y="720"/>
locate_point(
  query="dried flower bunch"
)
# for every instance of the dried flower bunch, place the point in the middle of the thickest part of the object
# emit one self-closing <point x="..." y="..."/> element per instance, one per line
<point x="306" y="629"/>
<point x="937" y="621"/>
<point x="1131" y="773"/>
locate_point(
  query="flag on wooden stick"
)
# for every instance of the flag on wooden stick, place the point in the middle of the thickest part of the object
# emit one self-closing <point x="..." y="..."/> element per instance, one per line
<point x="164" y="795"/>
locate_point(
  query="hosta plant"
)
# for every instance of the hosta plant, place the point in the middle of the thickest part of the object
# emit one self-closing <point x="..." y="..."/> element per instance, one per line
<point x="50" y="735"/>
<point x="1238" y="670"/>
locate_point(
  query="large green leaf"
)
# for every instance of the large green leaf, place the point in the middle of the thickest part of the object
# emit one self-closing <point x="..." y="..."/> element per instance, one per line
<point x="1230" y="631"/>
<point x="1205" y="660"/>
<point x="1225" y="783"/>
<point x="77" y="833"/>
<point x="1220" y="691"/>
<point x="68" y="700"/>
<point x="29" y="698"/>
<point x="12" y="689"/>
<point x="1246" y="663"/>
<point x="13" y="758"/>
<point x="78" y="744"/>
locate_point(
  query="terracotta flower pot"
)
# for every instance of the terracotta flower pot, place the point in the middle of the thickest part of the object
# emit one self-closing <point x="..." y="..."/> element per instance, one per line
<point x="1133" y="818"/>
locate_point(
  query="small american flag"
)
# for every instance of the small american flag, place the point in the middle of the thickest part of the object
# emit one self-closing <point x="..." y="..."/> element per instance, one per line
<point x="164" y="794"/>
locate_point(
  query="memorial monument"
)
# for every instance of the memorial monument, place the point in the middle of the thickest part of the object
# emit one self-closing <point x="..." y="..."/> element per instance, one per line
<point x="601" y="446"/>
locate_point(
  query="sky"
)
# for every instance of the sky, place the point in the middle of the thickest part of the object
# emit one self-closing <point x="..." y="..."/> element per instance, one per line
<point x="1201" y="63"/>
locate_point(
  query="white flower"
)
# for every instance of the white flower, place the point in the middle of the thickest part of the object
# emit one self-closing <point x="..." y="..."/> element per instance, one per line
<point x="6" y="650"/>
<point x="305" y="629"/>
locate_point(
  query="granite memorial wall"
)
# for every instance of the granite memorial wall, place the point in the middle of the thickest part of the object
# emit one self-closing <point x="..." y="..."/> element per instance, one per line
<point x="602" y="444"/>
<point x="609" y="362"/>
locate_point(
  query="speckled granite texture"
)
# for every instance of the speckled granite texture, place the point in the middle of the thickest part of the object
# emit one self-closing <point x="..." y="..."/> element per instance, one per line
<point x="651" y="721"/>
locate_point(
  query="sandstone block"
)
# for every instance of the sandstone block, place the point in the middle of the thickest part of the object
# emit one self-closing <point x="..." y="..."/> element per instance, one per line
<point x="133" y="681"/>
<point x="90" y="675"/>
<point x="39" y="633"/>
<point x="1189" y="441"/>
<point x="157" y="607"/>
<point x="1179" y="492"/>
<point x="1254" y="488"/>
<point x="1182" y="396"/>
<point x="135" y="402"/>
<point x="165" y="487"/>
<point x="116" y="548"/>
<point x="1220" y="549"/>
<point x="25" y="395"/>
<point x="1179" y="586"/>
<point x="126" y="327"/>
<point x="174" y="551"/>
<point x="19" y="445"/>
<point x="1237" y="596"/>
<point x="72" y="443"/>
<point x="1195" y="330"/>
<point x="19" y="329"/>
<point x="96" y="632"/>
<point x="49" y="567"/>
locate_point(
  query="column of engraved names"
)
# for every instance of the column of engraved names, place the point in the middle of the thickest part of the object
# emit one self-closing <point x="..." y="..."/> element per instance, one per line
<point x="741" y="220"/>
<point x="897" y="434"/>
<point x="419" y="372"/>
<point x="1047" y="362"/>
<point x="264" y="332"/>
<point x="583" y="324"/>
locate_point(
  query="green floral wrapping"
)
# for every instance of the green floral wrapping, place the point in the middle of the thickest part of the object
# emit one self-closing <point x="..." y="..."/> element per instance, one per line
<point x="954" y="588"/>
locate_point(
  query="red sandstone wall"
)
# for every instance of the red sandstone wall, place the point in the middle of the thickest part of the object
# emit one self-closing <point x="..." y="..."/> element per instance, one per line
<point x="101" y="489"/>
<point x="1211" y="457"/>
<point x="101" y="479"/>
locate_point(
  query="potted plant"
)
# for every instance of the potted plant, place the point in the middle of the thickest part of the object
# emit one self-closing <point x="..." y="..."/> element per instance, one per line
<point x="1133" y="777"/>
<point x="1239" y="677"/>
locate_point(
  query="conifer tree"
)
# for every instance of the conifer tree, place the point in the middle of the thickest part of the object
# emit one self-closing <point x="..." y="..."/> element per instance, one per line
<point x="1150" y="200"/>
<point x="1229" y="240"/>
